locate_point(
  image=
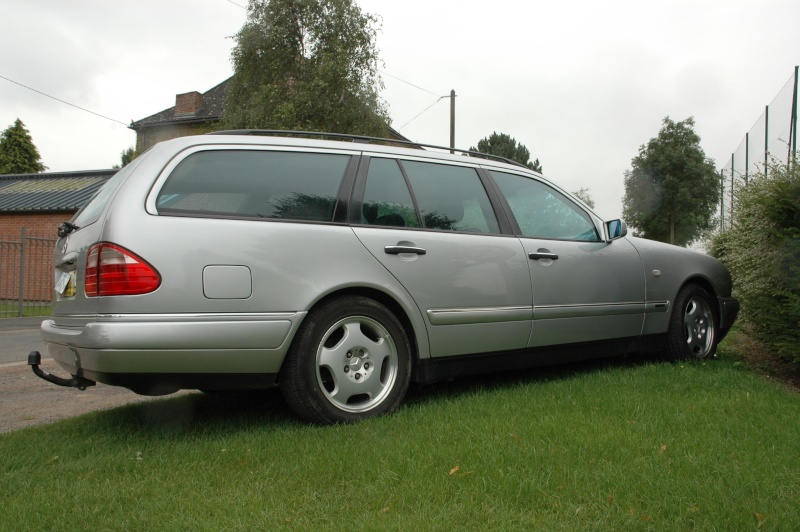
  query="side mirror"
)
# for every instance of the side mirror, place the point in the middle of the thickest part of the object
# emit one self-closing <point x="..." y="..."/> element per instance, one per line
<point x="616" y="229"/>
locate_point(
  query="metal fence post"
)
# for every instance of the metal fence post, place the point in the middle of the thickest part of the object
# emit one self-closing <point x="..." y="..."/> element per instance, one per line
<point x="746" y="157"/>
<point x="23" y="238"/>
<point x="785" y="102"/>
<point x="730" y="222"/>
<point x="766" y="141"/>
<point x="722" y="200"/>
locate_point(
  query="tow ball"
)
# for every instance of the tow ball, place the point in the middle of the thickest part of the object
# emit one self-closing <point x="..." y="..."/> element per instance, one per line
<point x="35" y="359"/>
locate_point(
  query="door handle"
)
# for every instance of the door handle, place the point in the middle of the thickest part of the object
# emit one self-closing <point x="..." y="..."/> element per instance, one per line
<point x="542" y="254"/>
<point x="396" y="250"/>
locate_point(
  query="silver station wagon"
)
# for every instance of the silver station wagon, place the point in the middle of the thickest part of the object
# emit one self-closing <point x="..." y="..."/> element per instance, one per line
<point x="343" y="271"/>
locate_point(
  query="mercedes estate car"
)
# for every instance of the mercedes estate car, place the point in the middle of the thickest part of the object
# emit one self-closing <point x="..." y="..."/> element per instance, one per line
<point x="343" y="271"/>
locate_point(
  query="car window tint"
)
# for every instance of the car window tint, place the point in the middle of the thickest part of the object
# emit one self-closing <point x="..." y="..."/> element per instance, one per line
<point x="263" y="184"/>
<point x="451" y="198"/>
<point x="387" y="200"/>
<point x="543" y="212"/>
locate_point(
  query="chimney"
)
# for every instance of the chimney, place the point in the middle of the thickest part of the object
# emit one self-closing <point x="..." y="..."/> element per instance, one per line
<point x="188" y="103"/>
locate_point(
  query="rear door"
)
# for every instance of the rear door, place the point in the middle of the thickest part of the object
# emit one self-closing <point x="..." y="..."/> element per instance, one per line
<point x="433" y="227"/>
<point x="584" y="288"/>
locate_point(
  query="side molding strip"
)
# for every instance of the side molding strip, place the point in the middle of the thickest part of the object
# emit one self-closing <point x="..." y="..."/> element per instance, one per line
<point x="466" y="316"/>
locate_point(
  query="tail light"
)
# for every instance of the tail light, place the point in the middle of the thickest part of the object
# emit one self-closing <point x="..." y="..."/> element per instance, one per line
<point x="112" y="270"/>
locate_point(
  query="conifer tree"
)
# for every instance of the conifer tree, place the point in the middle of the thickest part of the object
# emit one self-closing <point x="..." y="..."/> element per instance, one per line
<point x="18" y="154"/>
<point x="504" y="145"/>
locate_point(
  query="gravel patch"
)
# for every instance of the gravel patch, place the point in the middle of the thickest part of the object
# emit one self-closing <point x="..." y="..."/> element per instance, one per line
<point x="26" y="400"/>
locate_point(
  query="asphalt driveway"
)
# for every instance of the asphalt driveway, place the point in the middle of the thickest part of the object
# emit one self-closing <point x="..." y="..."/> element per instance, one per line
<point x="18" y="337"/>
<point x="27" y="400"/>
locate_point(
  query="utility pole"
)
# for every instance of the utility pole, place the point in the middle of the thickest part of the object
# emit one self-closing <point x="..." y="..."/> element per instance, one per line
<point x="452" y="121"/>
<point x="792" y="159"/>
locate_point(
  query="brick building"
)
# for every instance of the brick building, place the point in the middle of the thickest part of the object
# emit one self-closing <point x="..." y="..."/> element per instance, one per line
<point x="37" y="203"/>
<point x="40" y="202"/>
<point x="194" y="114"/>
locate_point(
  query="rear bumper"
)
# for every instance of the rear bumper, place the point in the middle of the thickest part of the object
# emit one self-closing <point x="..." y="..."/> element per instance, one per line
<point x="104" y="348"/>
<point x="728" y="311"/>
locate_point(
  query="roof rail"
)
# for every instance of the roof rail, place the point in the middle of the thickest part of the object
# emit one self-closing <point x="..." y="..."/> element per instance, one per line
<point x="364" y="139"/>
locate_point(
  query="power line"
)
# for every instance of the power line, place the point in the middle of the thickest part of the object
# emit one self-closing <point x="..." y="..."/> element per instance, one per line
<point x="418" y="115"/>
<point x="62" y="101"/>
<point x="407" y="83"/>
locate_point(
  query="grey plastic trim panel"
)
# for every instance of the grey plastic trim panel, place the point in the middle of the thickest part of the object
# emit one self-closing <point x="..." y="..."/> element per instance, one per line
<point x="166" y="332"/>
<point x="467" y="316"/>
<point x="102" y="364"/>
<point x="182" y="316"/>
<point x="601" y="309"/>
<point x="656" y="307"/>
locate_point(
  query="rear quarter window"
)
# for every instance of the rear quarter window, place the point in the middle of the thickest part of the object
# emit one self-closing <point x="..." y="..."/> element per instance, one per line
<point x="90" y="212"/>
<point x="258" y="184"/>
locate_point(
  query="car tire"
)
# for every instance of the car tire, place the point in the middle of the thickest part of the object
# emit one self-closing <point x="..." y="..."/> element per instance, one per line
<point x="350" y="360"/>
<point x="693" y="327"/>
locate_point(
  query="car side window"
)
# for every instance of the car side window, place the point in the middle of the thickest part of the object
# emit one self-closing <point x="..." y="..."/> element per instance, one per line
<point x="255" y="183"/>
<point x="543" y="212"/>
<point x="451" y="198"/>
<point x="387" y="200"/>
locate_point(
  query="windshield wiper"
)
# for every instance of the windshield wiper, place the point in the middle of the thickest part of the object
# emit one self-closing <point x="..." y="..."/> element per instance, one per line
<point x="66" y="228"/>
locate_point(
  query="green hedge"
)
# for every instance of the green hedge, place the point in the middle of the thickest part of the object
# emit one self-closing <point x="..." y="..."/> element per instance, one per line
<point x="762" y="250"/>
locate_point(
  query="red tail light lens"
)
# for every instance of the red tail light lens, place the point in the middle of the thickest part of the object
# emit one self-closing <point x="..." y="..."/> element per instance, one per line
<point x="112" y="270"/>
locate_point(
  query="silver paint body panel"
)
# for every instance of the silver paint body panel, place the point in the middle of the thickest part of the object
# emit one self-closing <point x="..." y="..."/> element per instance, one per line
<point x="235" y="291"/>
<point x="464" y="284"/>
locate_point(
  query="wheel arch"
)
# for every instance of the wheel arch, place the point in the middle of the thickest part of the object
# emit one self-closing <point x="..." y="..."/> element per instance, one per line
<point x="688" y="336"/>
<point x="330" y="395"/>
<point x="708" y="287"/>
<point x="703" y="282"/>
<point x="388" y="301"/>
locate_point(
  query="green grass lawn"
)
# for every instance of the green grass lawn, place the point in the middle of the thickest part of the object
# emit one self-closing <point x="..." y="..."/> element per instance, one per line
<point x="630" y="444"/>
<point x="10" y="309"/>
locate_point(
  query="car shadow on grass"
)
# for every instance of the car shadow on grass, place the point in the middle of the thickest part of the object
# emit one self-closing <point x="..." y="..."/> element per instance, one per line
<point x="197" y="412"/>
<point x="226" y="412"/>
<point x="507" y="379"/>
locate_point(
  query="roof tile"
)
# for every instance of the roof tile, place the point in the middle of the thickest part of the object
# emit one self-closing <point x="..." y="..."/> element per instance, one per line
<point x="51" y="191"/>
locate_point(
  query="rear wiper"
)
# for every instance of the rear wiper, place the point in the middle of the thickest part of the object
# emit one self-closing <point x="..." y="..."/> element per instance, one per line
<point x="66" y="228"/>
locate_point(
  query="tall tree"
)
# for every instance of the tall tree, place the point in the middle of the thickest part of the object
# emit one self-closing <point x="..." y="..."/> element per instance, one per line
<point x="672" y="189"/>
<point x="585" y="196"/>
<point x="307" y="65"/>
<point x="506" y="146"/>
<point x="18" y="154"/>
<point x="128" y="155"/>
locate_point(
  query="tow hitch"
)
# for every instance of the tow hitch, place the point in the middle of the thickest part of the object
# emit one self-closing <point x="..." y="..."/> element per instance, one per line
<point x="35" y="358"/>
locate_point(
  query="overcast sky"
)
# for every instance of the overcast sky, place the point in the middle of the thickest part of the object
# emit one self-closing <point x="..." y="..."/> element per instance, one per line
<point x="582" y="84"/>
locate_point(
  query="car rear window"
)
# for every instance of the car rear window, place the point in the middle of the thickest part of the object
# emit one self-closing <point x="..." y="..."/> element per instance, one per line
<point x="90" y="212"/>
<point x="260" y="184"/>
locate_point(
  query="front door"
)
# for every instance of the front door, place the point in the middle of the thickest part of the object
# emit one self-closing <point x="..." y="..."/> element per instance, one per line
<point x="584" y="288"/>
